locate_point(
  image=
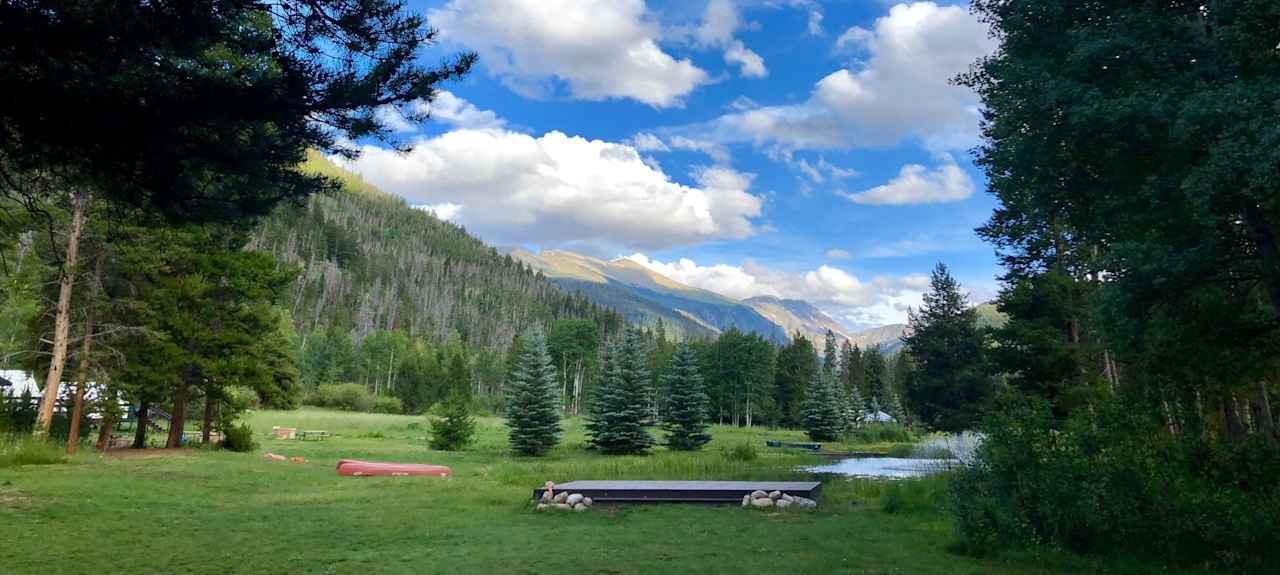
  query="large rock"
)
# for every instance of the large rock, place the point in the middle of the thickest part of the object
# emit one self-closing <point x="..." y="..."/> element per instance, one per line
<point x="757" y="494"/>
<point x="542" y="506"/>
<point x="788" y="497"/>
<point x="762" y="502"/>
<point x="579" y="507"/>
<point x="574" y="499"/>
<point x="562" y="497"/>
<point x="805" y="503"/>
<point x="587" y="501"/>
<point x="563" y="506"/>
<point x="746" y="500"/>
<point x="782" y="503"/>
<point x="775" y="495"/>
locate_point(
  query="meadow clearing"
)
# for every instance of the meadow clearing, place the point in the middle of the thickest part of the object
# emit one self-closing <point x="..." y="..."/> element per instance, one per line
<point x="209" y="511"/>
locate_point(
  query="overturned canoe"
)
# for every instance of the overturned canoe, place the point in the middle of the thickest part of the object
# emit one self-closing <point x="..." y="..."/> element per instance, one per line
<point x="358" y="468"/>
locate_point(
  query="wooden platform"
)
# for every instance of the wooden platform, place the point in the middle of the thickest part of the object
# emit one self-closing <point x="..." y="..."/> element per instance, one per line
<point x="681" y="491"/>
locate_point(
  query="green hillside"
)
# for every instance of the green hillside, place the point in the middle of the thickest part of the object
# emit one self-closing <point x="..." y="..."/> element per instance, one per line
<point x="370" y="262"/>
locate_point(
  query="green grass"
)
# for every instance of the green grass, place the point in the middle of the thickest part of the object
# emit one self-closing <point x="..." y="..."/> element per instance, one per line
<point x="221" y="512"/>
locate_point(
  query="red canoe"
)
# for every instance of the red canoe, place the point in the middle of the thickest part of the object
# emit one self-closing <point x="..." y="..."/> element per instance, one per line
<point x="357" y="468"/>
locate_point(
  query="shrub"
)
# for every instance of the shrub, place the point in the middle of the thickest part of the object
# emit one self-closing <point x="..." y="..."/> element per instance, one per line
<point x="18" y="450"/>
<point x="741" y="452"/>
<point x="238" y="438"/>
<point x="344" y="396"/>
<point x="387" y="404"/>
<point x="1117" y="481"/>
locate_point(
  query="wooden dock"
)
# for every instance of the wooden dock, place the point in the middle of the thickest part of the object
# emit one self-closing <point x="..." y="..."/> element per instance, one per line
<point x="680" y="491"/>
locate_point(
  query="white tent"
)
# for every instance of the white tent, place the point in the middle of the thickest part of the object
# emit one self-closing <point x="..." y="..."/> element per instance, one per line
<point x="878" y="417"/>
<point x="17" y="382"/>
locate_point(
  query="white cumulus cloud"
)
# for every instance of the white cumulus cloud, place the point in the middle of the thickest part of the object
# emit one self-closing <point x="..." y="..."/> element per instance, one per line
<point x="898" y="89"/>
<point x="445" y="210"/>
<point x="447" y="108"/>
<point x="600" y="48"/>
<point x="916" y="184"/>
<point x="845" y="297"/>
<point x="558" y="189"/>
<point x="719" y="23"/>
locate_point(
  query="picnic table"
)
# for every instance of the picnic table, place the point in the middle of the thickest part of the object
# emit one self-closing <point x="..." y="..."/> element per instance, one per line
<point x="316" y="434"/>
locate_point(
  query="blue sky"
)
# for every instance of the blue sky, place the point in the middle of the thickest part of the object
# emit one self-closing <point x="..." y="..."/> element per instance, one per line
<point x="796" y="148"/>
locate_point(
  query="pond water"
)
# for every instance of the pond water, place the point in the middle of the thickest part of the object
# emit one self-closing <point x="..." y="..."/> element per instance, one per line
<point x="884" y="467"/>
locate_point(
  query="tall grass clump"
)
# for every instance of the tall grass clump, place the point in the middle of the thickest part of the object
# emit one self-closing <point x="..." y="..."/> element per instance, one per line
<point x="18" y="450"/>
<point x="880" y="433"/>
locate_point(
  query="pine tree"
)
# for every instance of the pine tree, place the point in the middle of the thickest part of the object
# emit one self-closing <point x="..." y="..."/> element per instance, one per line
<point x="455" y="430"/>
<point x="621" y="405"/>
<point x="822" y="417"/>
<point x="830" y="354"/>
<point x="855" y="408"/>
<point x="533" y="406"/>
<point x="686" y="423"/>
<point x="876" y="373"/>
<point x="949" y="387"/>
<point x="894" y="408"/>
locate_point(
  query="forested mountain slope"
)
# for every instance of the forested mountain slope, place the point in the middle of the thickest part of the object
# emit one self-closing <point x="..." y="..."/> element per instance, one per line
<point x="370" y="262"/>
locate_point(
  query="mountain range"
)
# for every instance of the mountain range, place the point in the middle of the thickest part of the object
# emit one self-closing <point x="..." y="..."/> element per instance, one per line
<point x="644" y="296"/>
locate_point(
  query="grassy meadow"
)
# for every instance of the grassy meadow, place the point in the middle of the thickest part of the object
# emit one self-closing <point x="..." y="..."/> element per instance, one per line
<point x="206" y="511"/>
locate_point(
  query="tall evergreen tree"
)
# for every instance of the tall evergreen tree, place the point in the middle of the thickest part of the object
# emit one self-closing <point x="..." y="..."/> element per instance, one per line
<point x="193" y="110"/>
<point x="823" y="420"/>
<point x="830" y="354"/>
<point x="876" y="370"/>
<point x="533" y="406"/>
<point x="855" y="369"/>
<point x="796" y="364"/>
<point x="621" y="406"/>
<point x="949" y="387"/>
<point x="686" y="422"/>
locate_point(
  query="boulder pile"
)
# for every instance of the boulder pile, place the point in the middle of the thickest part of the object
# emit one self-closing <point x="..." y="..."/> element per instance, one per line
<point x="564" y="501"/>
<point x="762" y="500"/>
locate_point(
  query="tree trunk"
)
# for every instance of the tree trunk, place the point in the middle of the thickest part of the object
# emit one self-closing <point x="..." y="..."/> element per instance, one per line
<point x="1266" y="422"/>
<point x="104" y="432"/>
<point x="1235" y="427"/>
<point x="86" y="347"/>
<point x="140" y="435"/>
<point x="210" y="401"/>
<point x="62" y="317"/>
<point x="178" y="419"/>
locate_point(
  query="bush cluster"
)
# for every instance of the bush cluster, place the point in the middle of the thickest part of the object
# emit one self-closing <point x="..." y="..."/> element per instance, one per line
<point x="1117" y="480"/>
<point x="238" y="438"/>
<point x="352" y="397"/>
